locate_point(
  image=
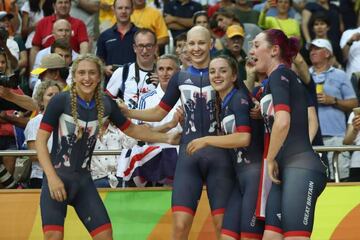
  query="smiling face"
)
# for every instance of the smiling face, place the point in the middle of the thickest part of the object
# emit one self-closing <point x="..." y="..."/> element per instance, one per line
<point x="261" y="53"/>
<point x="198" y="46"/>
<point x="165" y="69"/>
<point x="145" y="48"/>
<point x="222" y="77"/>
<point x="87" y="78"/>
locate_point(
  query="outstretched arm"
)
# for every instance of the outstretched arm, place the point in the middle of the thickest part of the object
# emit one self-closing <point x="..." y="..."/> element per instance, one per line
<point x="234" y="140"/>
<point x="146" y="134"/>
<point x="155" y="114"/>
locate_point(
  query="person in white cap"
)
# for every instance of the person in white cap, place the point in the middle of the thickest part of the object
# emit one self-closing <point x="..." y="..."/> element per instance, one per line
<point x="335" y="96"/>
<point x="51" y="68"/>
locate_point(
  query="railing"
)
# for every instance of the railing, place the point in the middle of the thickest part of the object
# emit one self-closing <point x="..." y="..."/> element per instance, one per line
<point x="319" y="149"/>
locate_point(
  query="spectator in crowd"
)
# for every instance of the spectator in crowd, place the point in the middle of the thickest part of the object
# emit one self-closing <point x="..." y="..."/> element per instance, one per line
<point x="336" y="98"/>
<point x="166" y="66"/>
<point x="7" y="42"/>
<point x="201" y="18"/>
<point x="12" y="8"/>
<point x="282" y="21"/>
<point x="51" y="68"/>
<point x="244" y="12"/>
<point x="226" y="18"/>
<point x="332" y="13"/>
<point x="106" y="15"/>
<point x="350" y="45"/>
<point x="45" y="92"/>
<point x="119" y="37"/>
<point x="61" y="30"/>
<point x="185" y="58"/>
<point x="352" y="137"/>
<point x="234" y="42"/>
<point x="151" y="18"/>
<point x="103" y="168"/>
<point x="178" y="15"/>
<point x="9" y="120"/>
<point x="44" y="31"/>
<point x="180" y="42"/>
<point x="320" y="25"/>
<point x="273" y="11"/>
<point x="31" y="13"/>
<point x="132" y="80"/>
<point x="87" y="11"/>
<point x="223" y="4"/>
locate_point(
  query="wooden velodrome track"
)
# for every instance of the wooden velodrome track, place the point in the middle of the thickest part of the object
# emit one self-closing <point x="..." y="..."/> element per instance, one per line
<point x="138" y="214"/>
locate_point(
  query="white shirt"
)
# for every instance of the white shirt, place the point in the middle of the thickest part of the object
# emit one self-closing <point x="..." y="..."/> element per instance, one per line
<point x="152" y="99"/>
<point x="34" y="17"/>
<point x="13" y="47"/>
<point x="113" y="139"/>
<point x="355" y="157"/>
<point x="131" y="87"/>
<point x="30" y="135"/>
<point x="353" y="63"/>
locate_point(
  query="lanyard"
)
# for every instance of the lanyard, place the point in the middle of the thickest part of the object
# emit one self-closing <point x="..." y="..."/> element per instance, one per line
<point x="228" y="98"/>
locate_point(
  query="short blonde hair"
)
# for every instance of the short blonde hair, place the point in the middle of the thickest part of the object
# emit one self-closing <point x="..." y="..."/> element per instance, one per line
<point x="39" y="94"/>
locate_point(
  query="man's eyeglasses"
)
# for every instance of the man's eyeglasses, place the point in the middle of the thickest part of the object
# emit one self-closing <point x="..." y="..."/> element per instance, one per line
<point x="142" y="46"/>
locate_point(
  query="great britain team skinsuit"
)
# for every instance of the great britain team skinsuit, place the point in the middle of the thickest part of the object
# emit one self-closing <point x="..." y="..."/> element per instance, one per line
<point x="291" y="204"/>
<point x="71" y="159"/>
<point x="209" y="165"/>
<point x="239" y="219"/>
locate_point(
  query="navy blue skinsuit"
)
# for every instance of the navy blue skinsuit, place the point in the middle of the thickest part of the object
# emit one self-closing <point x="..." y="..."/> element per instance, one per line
<point x="209" y="165"/>
<point x="71" y="159"/>
<point x="239" y="218"/>
<point x="290" y="207"/>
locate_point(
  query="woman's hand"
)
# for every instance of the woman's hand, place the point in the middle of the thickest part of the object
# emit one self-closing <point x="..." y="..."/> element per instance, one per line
<point x="255" y="112"/>
<point x="123" y="107"/>
<point x="196" y="145"/>
<point x="273" y="170"/>
<point x="57" y="188"/>
<point x="356" y="122"/>
<point x="178" y="117"/>
<point x="174" y="138"/>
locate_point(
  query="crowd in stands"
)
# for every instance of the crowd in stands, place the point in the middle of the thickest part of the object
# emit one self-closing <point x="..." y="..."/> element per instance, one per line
<point x="143" y="43"/>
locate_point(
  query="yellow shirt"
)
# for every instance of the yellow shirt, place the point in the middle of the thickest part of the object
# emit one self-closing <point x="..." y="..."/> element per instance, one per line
<point x="150" y="18"/>
<point x="290" y="26"/>
<point x="106" y="17"/>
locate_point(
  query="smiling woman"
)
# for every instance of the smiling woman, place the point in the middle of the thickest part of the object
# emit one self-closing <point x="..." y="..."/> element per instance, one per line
<point x="75" y="118"/>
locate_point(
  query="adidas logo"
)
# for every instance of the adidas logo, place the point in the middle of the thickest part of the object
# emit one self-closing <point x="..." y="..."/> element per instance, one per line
<point x="188" y="81"/>
<point x="279" y="216"/>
